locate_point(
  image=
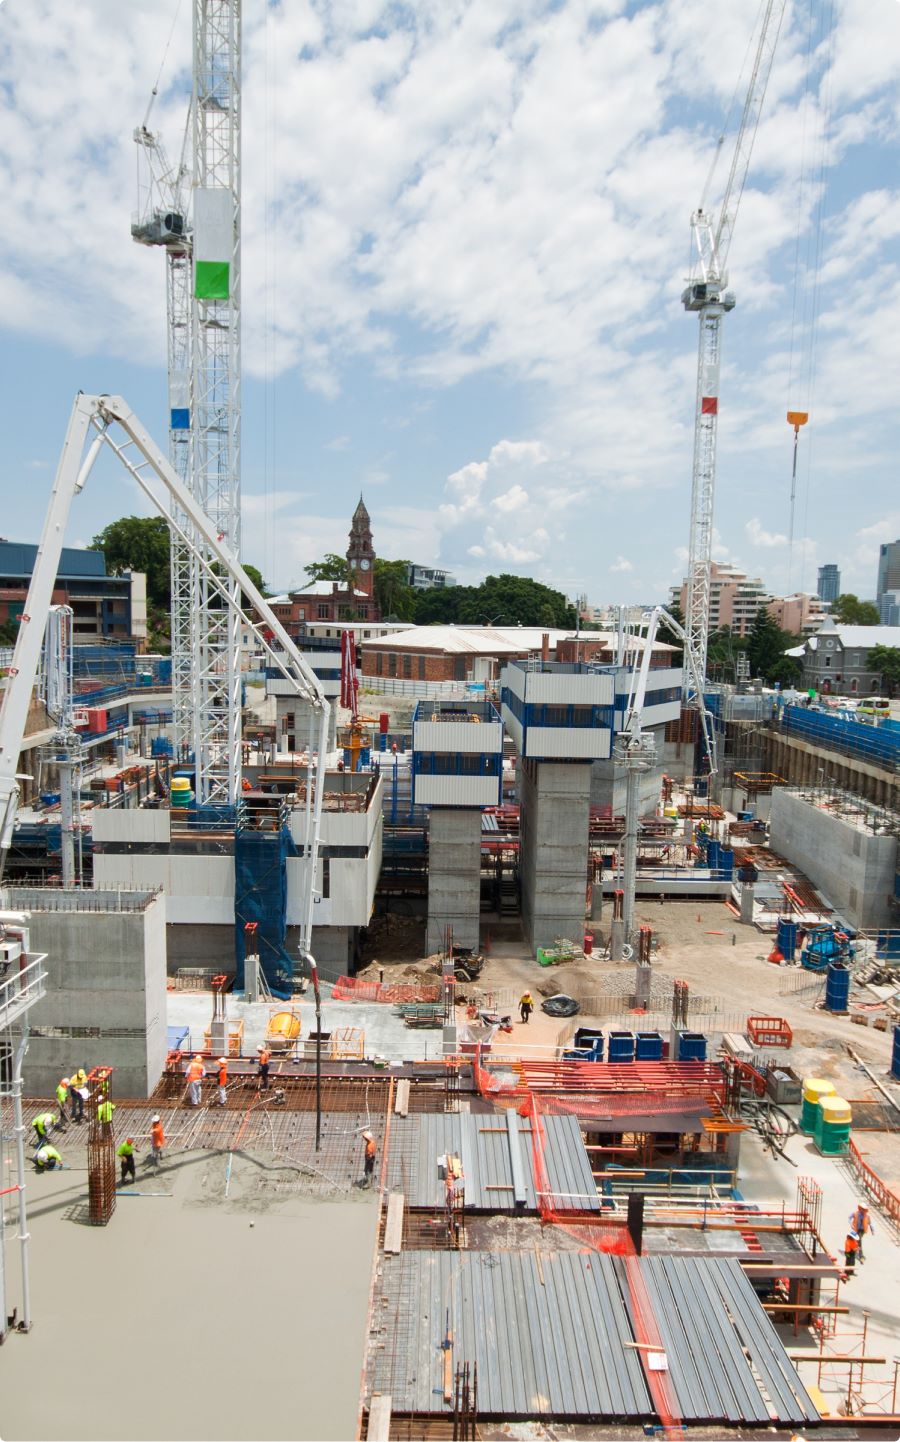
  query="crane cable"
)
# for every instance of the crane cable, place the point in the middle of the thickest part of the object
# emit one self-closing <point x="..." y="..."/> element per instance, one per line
<point x="807" y="262"/>
<point x="155" y="91"/>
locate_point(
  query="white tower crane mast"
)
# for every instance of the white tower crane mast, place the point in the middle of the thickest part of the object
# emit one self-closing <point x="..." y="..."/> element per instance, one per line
<point x="202" y="244"/>
<point x="216" y="381"/>
<point x="707" y="294"/>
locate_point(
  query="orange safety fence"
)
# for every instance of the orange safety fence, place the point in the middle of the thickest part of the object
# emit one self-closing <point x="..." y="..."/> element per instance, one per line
<point x="615" y="1104"/>
<point x="878" y="1190"/>
<point x="649" y="1340"/>
<point x="611" y="1236"/>
<point x="353" y="988"/>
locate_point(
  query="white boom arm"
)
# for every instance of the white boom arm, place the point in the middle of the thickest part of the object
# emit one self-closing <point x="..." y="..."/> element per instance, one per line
<point x="153" y="472"/>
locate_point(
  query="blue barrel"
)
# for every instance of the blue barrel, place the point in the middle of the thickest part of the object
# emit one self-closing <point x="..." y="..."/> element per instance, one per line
<point x="691" y="1046"/>
<point x="786" y="937"/>
<point x="837" y="987"/>
<point x="726" y="860"/>
<point x="621" y="1046"/>
<point x="895" y="1055"/>
<point x="712" y="855"/>
<point x="648" y="1046"/>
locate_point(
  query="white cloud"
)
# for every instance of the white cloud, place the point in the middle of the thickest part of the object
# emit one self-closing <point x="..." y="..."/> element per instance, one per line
<point x="758" y="536"/>
<point x="621" y="564"/>
<point x="340" y="443"/>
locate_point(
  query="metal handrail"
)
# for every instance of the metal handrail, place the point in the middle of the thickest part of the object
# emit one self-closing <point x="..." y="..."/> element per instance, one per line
<point x="21" y="990"/>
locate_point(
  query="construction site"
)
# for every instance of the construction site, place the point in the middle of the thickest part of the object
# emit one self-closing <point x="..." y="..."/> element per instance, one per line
<point x="522" y="1061"/>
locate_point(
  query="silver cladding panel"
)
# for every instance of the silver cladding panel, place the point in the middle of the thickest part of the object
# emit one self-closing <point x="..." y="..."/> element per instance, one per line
<point x="482" y="1144"/>
<point x="549" y="1331"/>
<point x="548" y="1337"/>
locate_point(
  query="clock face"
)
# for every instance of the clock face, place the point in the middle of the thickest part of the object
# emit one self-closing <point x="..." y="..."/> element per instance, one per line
<point x="364" y="564"/>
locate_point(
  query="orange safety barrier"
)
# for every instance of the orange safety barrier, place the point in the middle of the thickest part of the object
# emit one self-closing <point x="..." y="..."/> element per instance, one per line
<point x="878" y="1190"/>
<point x="769" y="1031"/>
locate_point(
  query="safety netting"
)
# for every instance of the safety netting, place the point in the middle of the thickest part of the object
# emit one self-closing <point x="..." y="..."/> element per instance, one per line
<point x="355" y="988"/>
<point x="260" y="896"/>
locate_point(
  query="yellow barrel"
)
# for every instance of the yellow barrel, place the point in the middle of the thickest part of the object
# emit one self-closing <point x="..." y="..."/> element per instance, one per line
<point x="833" y="1126"/>
<point x="180" y="783"/>
<point x="814" y="1089"/>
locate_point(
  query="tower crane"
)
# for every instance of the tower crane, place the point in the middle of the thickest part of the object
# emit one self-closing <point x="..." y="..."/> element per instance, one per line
<point x="203" y="314"/>
<point x="708" y="295"/>
<point x="635" y="751"/>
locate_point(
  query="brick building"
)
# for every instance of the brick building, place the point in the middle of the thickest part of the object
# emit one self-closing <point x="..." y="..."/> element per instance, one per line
<point x="109" y="608"/>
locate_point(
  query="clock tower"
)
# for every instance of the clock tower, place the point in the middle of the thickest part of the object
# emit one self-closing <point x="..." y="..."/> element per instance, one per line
<point x="360" y="552"/>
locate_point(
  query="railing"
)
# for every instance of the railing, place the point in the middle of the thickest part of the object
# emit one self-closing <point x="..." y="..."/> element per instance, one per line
<point x="23" y="898"/>
<point x="398" y="686"/>
<point x="21" y="989"/>
<point x="851" y="738"/>
<point x="879" y="1191"/>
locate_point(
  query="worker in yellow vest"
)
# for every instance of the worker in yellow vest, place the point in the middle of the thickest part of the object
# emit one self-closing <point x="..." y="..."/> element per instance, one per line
<point x="105" y="1112"/>
<point x="43" y="1126"/>
<point x="47" y="1158"/>
<point x="62" y="1096"/>
<point x="77" y="1089"/>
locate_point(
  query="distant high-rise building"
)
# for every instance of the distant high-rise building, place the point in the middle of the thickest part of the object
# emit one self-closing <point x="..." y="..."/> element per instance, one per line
<point x="888" y="573"/>
<point x="829" y="583"/>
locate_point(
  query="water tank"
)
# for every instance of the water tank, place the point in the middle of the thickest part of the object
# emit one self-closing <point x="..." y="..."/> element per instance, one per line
<point x="837" y="987"/>
<point x="786" y="937"/>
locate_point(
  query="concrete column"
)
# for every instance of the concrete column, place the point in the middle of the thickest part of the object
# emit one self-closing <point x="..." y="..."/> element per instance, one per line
<point x="553" y="849"/>
<point x="747" y="903"/>
<point x="454" y="876"/>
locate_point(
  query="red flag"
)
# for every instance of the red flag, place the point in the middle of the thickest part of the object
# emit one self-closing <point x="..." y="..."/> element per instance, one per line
<point x="709" y="406"/>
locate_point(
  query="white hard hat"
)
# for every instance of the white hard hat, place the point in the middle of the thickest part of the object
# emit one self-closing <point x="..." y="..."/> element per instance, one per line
<point x="154" y="1119"/>
<point x="368" y="1136"/>
<point x="223" y="1061"/>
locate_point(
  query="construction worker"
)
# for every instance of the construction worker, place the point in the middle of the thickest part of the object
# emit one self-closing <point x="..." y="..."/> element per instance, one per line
<point x="125" y="1153"/>
<point x="851" y="1247"/>
<point x="195" y="1074"/>
<point x="47" y="1158"/>
<point x="861" y="1224"/>
<point x="223" y="1080"/>
<point x="77" y="1087"/>
<point x="62" y="1096"/>
<point x="157" y="1140"/>
<point x="105" y="1112"/>
<point x="369" y="1163"/>
<point x="526" y="1006"/>
<point x="43" y="1126"/>
<point x="265" y="1057"/>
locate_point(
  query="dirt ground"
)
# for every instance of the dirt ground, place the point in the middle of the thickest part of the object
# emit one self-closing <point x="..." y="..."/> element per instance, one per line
<point x="189" y="1315"/>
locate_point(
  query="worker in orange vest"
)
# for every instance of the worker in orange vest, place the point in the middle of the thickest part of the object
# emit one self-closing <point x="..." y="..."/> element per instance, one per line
<point x="157" y="1140"/>
<point x="851" y="1248"/>
<point x="369" y="1164"/>
<point x="264" y="1056"/>
<point x="195" y="1074"/>
<point x="223" y="1080"/>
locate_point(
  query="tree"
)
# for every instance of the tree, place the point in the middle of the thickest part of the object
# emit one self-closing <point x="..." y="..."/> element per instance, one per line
<point x="766" y="647"/>
<point x="9" y="630"/>
<point x="394" y="597"/>
<point x="886" y="661"/>
<point x="851" y="611"/>
<point x="139" y="543"/>
<point x="256" y="577"/>
<point x="332" y="567"/>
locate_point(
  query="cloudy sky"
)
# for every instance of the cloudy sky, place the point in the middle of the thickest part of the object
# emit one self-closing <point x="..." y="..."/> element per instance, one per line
<point x="466" y="232"/>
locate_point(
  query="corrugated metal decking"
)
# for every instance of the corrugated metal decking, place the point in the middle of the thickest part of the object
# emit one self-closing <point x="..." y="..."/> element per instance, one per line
<point x="549" y="1332"/>
<point x="482" y="1142"/>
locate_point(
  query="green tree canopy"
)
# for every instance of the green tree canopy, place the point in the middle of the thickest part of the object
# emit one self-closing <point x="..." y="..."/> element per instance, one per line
<point x="886" y="661"/>
<point x="394" y="597"/>
<point x="851" y="611"/>
<point x="670" y="637"/>
<point x="332" y="567"/>
<point x="766" y="646"/>
<point x="139" y="543"/>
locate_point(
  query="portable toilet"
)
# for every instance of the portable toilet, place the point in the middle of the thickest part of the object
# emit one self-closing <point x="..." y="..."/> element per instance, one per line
<point x="814" y="1089"/>
<point x="832" y="1135"/>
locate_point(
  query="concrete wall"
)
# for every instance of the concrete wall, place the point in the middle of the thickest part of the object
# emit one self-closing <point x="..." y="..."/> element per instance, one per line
<point x="454" y="877"/>
<point x="106" y="992"/>
<point x="852" y="868"/>
<point x="608" y="788"/>
<point x="553" y="849"/>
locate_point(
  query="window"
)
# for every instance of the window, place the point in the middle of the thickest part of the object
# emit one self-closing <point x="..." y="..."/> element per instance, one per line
<point x="324" y="611"/>
<point x="827" y="660"/>
<point x="421" y="668"/>
<point x="302" y="613"/>
<point x="407" y="667"/>
<point x="378" y="663"/>
<point x="392" y="663"/>
<point x="459" y="668"/>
